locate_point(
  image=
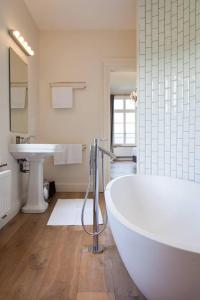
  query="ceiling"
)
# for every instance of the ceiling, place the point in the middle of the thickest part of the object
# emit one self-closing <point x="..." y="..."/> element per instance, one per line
<point x="83" y="14"/>
<point x="122" y="82"/>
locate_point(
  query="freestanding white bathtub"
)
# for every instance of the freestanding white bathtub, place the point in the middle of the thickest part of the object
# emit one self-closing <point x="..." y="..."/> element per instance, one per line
<point x="155" y="222"/>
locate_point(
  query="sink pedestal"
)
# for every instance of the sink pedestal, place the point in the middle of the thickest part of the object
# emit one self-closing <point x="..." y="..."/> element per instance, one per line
<point x="35" y="154"/>
<point x="35" y="202"/>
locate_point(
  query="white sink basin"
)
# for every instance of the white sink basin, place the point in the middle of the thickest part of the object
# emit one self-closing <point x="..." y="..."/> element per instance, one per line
<point x="31" y="151"/>
<point x="35" y="154"/>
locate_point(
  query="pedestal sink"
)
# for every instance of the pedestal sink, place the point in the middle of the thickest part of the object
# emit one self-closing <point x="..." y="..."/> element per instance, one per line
<point x="35" y="154"/>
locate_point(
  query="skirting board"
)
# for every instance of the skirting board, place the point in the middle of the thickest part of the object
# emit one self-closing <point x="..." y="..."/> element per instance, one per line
<point x="72" y="187"/>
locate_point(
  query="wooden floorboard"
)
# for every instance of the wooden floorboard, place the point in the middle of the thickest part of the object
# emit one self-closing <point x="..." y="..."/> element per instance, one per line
<point x="39" y="262"/>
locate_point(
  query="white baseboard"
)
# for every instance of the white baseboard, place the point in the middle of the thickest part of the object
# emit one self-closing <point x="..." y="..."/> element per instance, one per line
<point x="71" y="187"/>
<point x="11" y="214"/>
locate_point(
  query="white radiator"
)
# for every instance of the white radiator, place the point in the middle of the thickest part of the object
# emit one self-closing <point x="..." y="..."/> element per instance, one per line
<point x="5" y="192"/>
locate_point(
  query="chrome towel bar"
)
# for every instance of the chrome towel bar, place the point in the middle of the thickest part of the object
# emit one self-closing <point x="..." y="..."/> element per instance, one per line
<point x="3" y="165"/>
<point x="74" y="85"/>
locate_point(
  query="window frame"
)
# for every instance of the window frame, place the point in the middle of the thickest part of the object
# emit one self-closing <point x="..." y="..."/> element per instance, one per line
<point x="124" y="97"/>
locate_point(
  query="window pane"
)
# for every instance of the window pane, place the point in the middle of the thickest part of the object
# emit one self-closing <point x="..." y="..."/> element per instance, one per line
<point x="130" y="117"/>
<point x="118" y="104"/>
<point x="130" y="127"/>
<point x="118" y="118"/>
<point x="118" y="138"/>
<point x="124" y="121"/>
<point x="130" y="104"/>
<point x="130" y="138"/>
<point x="119" y="128"/>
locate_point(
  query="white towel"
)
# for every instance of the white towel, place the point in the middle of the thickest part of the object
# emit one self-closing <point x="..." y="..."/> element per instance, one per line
<point x="62" y="97"/>
<point x="68" y="154"/>
<point x="18" y="97"/>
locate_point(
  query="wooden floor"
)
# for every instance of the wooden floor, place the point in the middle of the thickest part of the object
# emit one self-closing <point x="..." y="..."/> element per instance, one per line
<point x="52" y="262"/>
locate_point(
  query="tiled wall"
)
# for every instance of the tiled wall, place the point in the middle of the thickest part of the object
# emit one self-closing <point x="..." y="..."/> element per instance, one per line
<point x="169" y="88"/>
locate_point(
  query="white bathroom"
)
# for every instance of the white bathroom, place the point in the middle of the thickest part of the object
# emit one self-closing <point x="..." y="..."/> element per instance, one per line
<point x="99" y="149"/>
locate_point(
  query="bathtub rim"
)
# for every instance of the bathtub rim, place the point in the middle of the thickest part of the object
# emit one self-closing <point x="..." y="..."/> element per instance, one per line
<point x="5" y="172"/>
<point x="138" y="230"/>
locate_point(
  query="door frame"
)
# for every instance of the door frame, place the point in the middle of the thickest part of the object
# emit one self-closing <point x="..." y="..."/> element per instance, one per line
<point x="112" y="65"/>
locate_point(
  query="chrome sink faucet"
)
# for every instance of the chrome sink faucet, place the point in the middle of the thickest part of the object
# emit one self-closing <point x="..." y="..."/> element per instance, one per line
<point x="28" y="139"/>
<point x="24" y="140"/>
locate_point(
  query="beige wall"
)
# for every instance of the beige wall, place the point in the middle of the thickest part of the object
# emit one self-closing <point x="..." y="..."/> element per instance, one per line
<point x="76" y="56"/>
<point x="14" y="15"/>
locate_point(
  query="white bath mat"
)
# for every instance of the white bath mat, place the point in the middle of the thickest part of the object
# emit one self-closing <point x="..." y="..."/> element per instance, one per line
<point x="68" y="212"/>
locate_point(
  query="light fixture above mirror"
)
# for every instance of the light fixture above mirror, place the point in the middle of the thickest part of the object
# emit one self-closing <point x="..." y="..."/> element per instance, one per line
<point x="18" y="38"/>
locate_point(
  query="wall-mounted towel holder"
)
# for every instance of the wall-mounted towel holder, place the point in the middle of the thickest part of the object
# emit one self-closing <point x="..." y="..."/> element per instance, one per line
<point x="74" y="85"/>
<point x="19" y="84"/>
<point x="2" y="165"/>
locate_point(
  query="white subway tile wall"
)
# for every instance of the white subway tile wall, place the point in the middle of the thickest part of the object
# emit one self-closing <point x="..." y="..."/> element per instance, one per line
<point x="169" y="88"/>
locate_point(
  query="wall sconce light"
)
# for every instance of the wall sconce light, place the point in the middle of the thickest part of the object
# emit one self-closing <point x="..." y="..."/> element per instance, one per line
<point x="18" y="38"/>
<point x="133" y="95"/>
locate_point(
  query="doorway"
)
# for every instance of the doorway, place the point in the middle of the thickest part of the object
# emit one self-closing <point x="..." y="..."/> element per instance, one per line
<point x="114" y="66"/>
<point x="122" y="123"/>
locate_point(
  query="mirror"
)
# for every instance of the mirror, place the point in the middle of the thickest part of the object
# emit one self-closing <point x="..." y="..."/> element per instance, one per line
<point x="18" y="81"/>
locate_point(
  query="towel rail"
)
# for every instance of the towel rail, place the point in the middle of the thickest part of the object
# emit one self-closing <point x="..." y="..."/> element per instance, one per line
<point x="19" y="84"/>
<point x="74" y="85"/>
<point x="2" y="165"/>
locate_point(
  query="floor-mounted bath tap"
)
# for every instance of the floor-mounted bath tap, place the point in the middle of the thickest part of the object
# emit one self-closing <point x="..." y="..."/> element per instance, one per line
<point x="95" y="151"/>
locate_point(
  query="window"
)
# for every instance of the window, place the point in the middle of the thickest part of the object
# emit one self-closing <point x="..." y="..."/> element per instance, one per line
<point x="124" y="121"/>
